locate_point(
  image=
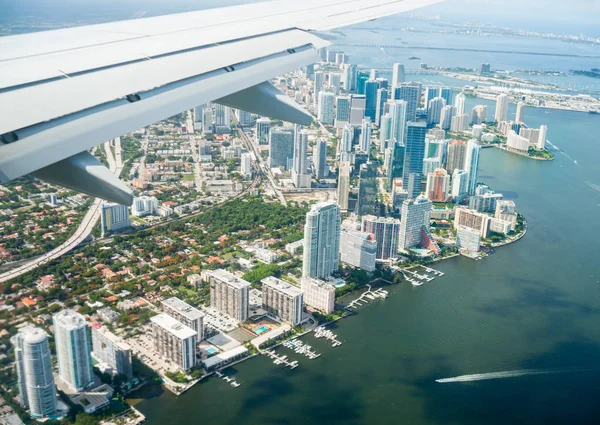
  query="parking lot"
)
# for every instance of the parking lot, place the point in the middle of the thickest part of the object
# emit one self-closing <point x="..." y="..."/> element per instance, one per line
<point x="143" y="348"/>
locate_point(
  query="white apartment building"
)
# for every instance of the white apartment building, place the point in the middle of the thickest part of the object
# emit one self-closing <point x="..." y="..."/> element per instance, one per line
<point x="282" y="300"/>
<point x="186" y="314"/>
<point x="174" y="341"/>
<point x="229" y="294"/>
<point x="318" y="294"/>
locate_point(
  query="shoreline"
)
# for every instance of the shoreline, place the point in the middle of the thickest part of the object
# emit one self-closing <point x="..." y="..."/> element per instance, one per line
<point x="505" y="149"/>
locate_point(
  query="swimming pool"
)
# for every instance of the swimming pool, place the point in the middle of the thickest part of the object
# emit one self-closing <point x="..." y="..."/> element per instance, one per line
<point x="340" y="284"/>
<point x="260" y="330"/>
<point x="211" y="351"/>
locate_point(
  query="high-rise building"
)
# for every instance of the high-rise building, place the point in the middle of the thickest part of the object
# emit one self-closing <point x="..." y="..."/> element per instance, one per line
<point x="414" y="154"/>
<point x="33" y="360"/>
<point x="516" y="142"/>
<point x="459" y="103"/>
<point x="367" y="189"/>
<point x="435" y="148"/>
<point x="446" y="116"/>
<point x="382" y="97"/>
<point x="398" y="113"/>
<point x="365" y="136"/>
<point x="414" y="185"/>
<point x="111" y="351"/>
<point x="186" y="314"/>
<point x="505" y="210"/>
<point x="319" y="82"/>
<point x="430" y="94"/>
<point x="477" y="131"/>
<point x="318" y="294"/>
<point x="282" y="300"/>
<point x="320" y="159"/>
<point x="438" y="186"/>
<point x="520" y="116"/>
<point x="229" y="294"/>
<point x="222" y="115"/>
<point x="396" y="166"/>
<point x="479" y="115"/>
<point x="349" y="77"/>
<point x="325" y="110"/>
<point x="484" y="201"/>
<point x="501" y="108"/>
<point x="345" y="144"/>
<point x="411" y="94"/>
<point x="371" y="87"/>
<point x="430" y="165"/>
<point x="263" y="127"/>
<point x="144" y="205"/>
<point x="416" y="214"/>
<point x="457" y="154"/>
<point x="207" y="121"/>
<point x="541" y="143"/>
<point x="358" y="106"/>
<point x="73" y="349"/>
<point x="467" y="238"/>
<point x="114" y="217"/>
<point x="174" y="341"/>
<point x="245" y="118"/>
<point x="460" y="123"/>
<point x="343" y="188"/>
<point x="460" y="185"/>
<point x="398" y="75"/>
<point x="434" y="110"/>
<point x="361" y="79"/>
<point x="342" y="110"/>
<point x="358" y="249"/>
<point x="53" y="199"/>
<point x="281" y="147"/>
<point x="334" y="79"/>
<point x="322" y="240"/>
<point x="471" y="164"/>
<point x="246" y="164"/>
<point x="448" y="95"/>
<point x="385" y="130"/>
<point x="472" y="219"/>
<point x="386" y="231"/>
<point x="300" y="175"/>
<point x="486" y="68"/>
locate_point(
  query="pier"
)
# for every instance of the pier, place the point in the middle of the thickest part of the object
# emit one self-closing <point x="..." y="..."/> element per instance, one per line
<point x="227" y="379"/>
<point x="417" y="279"/>
<point x="321" y="332"/>
<point x="369" y="295"/>
<point x="300" y="347"/>
<point x="281" y="359"/>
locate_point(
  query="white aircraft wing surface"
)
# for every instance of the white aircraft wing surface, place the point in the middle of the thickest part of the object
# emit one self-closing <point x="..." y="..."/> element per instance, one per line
<point x="64" y="91"/>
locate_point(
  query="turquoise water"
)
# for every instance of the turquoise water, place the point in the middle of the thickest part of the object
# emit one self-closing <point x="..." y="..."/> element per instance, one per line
<point x="211" y="351"/>
<point x="260" y="330"/>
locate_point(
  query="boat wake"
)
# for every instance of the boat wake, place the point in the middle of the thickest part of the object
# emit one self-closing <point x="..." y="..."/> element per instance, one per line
<point x="556" y="148"/>
<point x="495" y="375"/>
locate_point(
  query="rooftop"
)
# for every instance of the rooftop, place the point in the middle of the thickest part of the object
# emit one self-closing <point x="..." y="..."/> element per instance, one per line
<point x="173" y="326"/>
<point x="229" y="278"/>
<point x="69" y="319"/>
<point x="223" y="357"/>
<point x="282" y="286"/>
<point x="183" y="308"/>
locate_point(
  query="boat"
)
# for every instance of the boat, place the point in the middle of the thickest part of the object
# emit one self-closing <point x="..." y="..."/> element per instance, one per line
<point x="593" y="112"/>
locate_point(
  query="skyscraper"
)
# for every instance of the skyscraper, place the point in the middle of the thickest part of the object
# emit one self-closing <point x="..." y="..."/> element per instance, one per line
<point x="448" y="95"/>
<point x="472" y="164"/>
<point x="398" y="75"/>
<point x="322" y="240"/>
<point x="319" y="81"/>
<point x="334" y="79"/>
<point x="359" y="249"/>
<point x="460" y="185"/>
<point x="349" y="79"/>
<point x="386" y="231"/>
<point x="520" y="116"/>
<point x="111" y="350"/>
<point x="434" y="110"/>
<point x="371" y="87"/>
<point x="430" y="94"/>
<point x="174" y="341"/>
<point x="365" y="136"/>
<point x="357" y="109"/>
<point x="446" y="116"/>
<point x="282" y="299"/>
<point x="263" y="126"/>
<point x="222" y="115"/>
<point x="414" y="185"/>
<point x="385" y="130"/>
<point x="457" y="154"/>
<point x="73" y="349"/>
<point x="460" y="123"/>
<point x="229" y="294"/>
<point x="342" y="110"/>
<point x="541" y="144"/>
<point x="361" y="79"/>
<point x="114" y="217"/>
<point x="345" y="144"/>
<point x="396" y="168"/>
<point x="325" y="109"/>
<point x="411" y="94"/>
<point x="414" y="154"/>
<point x="367" y="190"/>
<point x="343" y="188"/>
<point x="416" y="214"/>
<point x="438" y="186"/>
<point x="281" y="147"/>
<point x="300" y="175"/>
<point x="479" y="115"/>
<point x="382" y="97"/>
<point x="501" y="108"/>
<point x="34" y="372"/>
<point x="320" y="159"/>
<point x="459" y="103"/>
<point x="398" y="113"/>
<point x="246" y="164"/>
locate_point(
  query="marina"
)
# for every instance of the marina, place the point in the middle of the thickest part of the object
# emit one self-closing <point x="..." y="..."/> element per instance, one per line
<point x="300" y="347"/>
<point x="366" y="296"/>
<point x="281" y="359"/>
<point x="416" y="279"/>
<point x="228" y="379"/>
<point x="321" y="332"/>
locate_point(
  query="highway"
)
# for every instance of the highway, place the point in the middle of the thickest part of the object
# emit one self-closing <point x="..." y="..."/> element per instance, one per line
<point x="83" y="231"/>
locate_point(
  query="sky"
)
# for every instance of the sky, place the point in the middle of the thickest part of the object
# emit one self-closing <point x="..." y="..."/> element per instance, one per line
<point x="572" y="16"/>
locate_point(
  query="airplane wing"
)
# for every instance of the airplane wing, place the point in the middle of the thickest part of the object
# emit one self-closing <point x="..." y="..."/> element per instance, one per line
<point x="64" y="91"/>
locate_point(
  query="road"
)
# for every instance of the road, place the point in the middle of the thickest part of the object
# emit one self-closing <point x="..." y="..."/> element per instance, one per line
<point x="259" y="166"/>
<point x="83" y="231"/>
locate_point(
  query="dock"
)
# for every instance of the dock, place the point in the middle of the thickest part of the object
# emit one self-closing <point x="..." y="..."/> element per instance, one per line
<point x="281" y="359"/>
<point x="417" y="279"/>
<point x="230" y="381"/>
<point x="321" y="332"/>
<point x="300" y="347"/>
<point x="366" y="296"/>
